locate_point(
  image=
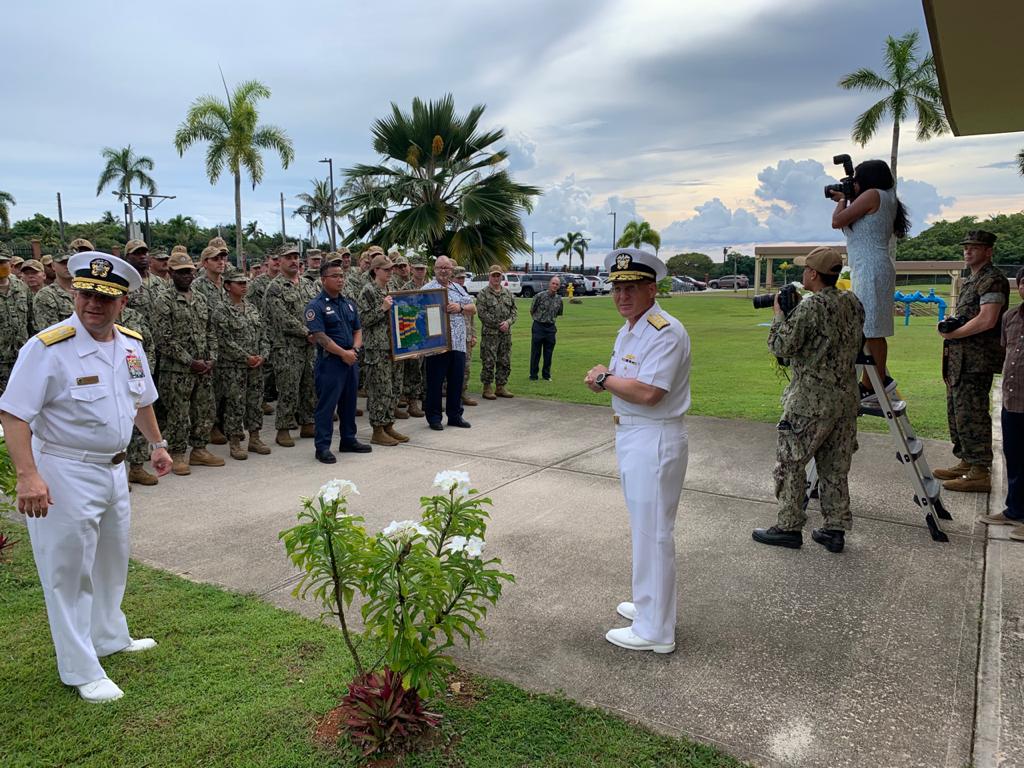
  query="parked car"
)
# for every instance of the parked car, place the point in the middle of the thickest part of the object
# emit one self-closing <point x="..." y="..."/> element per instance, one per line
<point x="476" y="283"/>
<point x="579" y="286"/>
<point x="730" y="281"/>
<point x="532" y="283"/>
<point x="679" y="285"/>
<point x="592" y="284"/>
<point x="606" y="285"/>
<point x="697" y="284"/>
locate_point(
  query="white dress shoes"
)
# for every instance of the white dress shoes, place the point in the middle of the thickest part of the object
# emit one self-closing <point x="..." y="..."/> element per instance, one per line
<point x="626" y="611"/>
<point x="100" y="691"/>
<point x="141" y="644"/>
<point x="626" y="638"/>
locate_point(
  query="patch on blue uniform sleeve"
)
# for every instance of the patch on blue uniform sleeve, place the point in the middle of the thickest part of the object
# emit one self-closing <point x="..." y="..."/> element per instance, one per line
<point x="310" y="314"/>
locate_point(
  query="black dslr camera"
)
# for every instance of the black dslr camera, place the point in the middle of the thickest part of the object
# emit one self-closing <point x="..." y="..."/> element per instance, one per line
<point x="845" y="184"/>
<point x="950" y="324"/>
<point x="789" y="297"/>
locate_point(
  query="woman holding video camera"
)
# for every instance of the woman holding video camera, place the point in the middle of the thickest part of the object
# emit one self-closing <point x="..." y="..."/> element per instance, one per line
<point x="873" y="219"/>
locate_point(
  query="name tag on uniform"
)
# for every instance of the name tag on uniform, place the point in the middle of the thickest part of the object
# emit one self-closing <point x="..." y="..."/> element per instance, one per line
<point x="82" y="380"/>
<point x="135" y="366"/>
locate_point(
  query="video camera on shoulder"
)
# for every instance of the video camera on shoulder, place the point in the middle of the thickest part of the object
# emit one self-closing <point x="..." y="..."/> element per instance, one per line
<point x="845" y="184"/>
<point x="789" y="297"/>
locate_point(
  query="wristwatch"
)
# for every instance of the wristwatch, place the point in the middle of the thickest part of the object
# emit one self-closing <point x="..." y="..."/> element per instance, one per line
<point x="154" y="446"/>
<point x="600" y="379"/>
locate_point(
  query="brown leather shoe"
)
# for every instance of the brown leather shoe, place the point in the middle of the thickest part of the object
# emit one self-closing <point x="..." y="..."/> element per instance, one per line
<point x="217" y="437"/>
<point x="236" y="450"/>
<point x="307" y="430"/>
<point x="489" y="393"/>
<point x="977" y="480"/>
<point x="200" y="457"/>
<point x="179" y="465"/>
<point x="951" y="473"/>
<point x="1017" y="533"/>
<point x="138" y="474"/>
<point x="284" y="437"/>
<point x="359" y="411"/>
<point x="398" y="413"/>
<point x="468" y="399"/>
<point x="267" y="409"/>
<point x="394" y="433"/>
<point x="380" y="437"/>
<point x="501" y="391"/>
<point x="416" y="409"/>
<point x="999" y="519"/>
<point x="256" y="445"/>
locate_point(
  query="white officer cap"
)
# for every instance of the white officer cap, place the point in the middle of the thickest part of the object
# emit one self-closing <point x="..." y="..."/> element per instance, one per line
<point x="633" y="265"/>
<point x="102" y="273"/>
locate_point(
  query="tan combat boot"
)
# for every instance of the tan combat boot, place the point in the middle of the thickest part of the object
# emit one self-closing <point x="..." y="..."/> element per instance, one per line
<point x="468" y="399"/>
<point x="489" y="393"/>
<point x="217" y="437"/>
<point x="267" y="409"/>
<point x="398" y="413"/>
<point x="179" y="465"/>
<point x="394" y="433"/>
<point x="138" y="474"/>
<point x="416" y="409"/>
<point x="977" y="480"/>
<point x="284" y="437"/>
<point x="307" y="430"/>
<point x="501" y="391"/>
<point x="200" y="457"/>
<point x="380" y="437"/>
<point x="256" y="445"/>
<point x="951" y="473"/>
<point x="236" y="450"/>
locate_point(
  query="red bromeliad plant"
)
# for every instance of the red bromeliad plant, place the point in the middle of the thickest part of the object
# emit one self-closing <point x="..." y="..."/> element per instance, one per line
<point x="381" y="713"/>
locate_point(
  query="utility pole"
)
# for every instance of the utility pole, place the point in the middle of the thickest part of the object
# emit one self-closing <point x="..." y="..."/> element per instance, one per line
<point x="533" y="252"/>
<point x="60" y="218"/>
<point x="146" y="204"/>
<point x="283" y="236"/>
<point x="330" y="167"/>
<point x="615" y="221"/>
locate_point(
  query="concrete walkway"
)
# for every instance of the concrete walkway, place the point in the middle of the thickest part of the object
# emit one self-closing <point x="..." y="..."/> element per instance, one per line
<point x="784" y="657"/>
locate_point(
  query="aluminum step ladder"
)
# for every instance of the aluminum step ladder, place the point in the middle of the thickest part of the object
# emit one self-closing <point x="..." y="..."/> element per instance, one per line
<point x="909" y="452"/>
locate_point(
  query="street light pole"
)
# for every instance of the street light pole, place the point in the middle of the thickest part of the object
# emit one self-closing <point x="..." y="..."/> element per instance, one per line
<point x="60" y="218"/>
<point x="283" y="240"/>
<point x="533" y="252"/>
<point x="330" y="167"/>
<point x="615" y="217"/>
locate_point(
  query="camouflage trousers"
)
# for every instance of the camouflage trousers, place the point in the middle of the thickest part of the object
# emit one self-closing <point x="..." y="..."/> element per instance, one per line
<point x="378" y="379"/>
<point x="397" y="377"/>
<point x="5" y="373"/>
<point x="188" y="410"/>
<point x="495" y="358"/>
<point x="296" y="398"/>
<point x="469" y="359"/>
<point x="138" y="448"/>
<point x="412" y="378"/>
<point x="970" y="423"/>
<point x="269" y="384"/>
<point x="243" y="400"/>
<point x="831" y="442"/>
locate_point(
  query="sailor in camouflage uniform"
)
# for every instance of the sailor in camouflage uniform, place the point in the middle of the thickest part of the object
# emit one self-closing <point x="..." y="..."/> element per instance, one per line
<point x="291" y="348"/>
<point x="821" y="338"/>
<point x="374" y="307"/>
<point x="138" y="449"/>
<point x="242" y="349"/>
<point x="314" y="258"/>
<point x="183" y="332"/>
<point x="15" y="316"/>
<point x="497" y="309"/>
<point x="399" y="279"/>
<point x="210" y="283"/>
<point x="256" y="294"/>
<point x="412" y="374"/>
<point x="970" y="356"/>
<point x="55" y="302"/>
<point x="358" y="275"/>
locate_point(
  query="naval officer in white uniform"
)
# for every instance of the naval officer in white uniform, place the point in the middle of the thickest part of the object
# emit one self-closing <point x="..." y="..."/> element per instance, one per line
<point x="75" y="392"/>
<point x="649" y="379"/>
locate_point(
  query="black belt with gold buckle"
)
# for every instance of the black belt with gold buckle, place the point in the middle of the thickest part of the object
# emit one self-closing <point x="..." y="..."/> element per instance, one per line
<point x="117" y="458"/>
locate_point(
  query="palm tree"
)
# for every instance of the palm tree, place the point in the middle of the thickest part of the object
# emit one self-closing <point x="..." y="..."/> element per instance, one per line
<point x="1020" y="163"/>
<point x="636" y="233"/>
<point x="252" y="230"/>
<point x="181" y="229"/>
<point x="126" y="168"/>
<point x="439" y="186"/>
<point x="235" y="140"/>
<point x="912" y="88"/>
<point x="317" y="207"/>
<point x="573" y="241"/>
<point x="6" y="201"/>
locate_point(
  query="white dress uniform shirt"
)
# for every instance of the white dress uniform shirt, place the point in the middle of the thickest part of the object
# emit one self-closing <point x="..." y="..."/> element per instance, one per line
<point x="660" y="358"/>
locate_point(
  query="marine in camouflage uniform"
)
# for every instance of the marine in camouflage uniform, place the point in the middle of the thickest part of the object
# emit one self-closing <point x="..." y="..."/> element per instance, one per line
<point x="291" y="352"/>
<point x="971" y="355"/>
<point x="138" y="448"/>
<point x="54" y="302"/>
<point x="821" y="338"/>
<point x="183" y="333"/>
<point x="240" y="339"/>
<point x="495" y="308"/>
<point x="255" y="295"/>
<point x="374" y="307"/>
<point x="15" y="316"/>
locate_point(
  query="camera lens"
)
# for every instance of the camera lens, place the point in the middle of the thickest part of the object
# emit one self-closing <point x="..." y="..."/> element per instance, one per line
<point x="765" y="301"/>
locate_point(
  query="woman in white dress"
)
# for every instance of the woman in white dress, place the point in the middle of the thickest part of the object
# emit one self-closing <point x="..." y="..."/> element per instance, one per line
<point x="873" y="220"/>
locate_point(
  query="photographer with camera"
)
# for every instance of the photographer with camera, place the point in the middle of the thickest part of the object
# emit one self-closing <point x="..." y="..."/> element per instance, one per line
<point x="872" y="218"/>
<point x="821" y="338"/>
<point x="971" y="355"/>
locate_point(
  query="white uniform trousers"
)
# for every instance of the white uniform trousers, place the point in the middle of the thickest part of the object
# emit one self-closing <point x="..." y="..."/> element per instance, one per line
<point x="652" y="464"/>
<point x="81" y="549"/>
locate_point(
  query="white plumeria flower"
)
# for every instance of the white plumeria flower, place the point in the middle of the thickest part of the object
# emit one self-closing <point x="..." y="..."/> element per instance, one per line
<point x="1" y="432"/>
<point x="456" y="544"/>
<point x="405" y="530"/>
<point x="336" y="489"/>
<point x="452" y="480"/>
<point x="474" y="547"/>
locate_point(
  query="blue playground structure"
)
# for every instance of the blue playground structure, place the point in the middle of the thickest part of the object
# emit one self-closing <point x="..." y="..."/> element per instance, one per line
<point x="910" y="298"/>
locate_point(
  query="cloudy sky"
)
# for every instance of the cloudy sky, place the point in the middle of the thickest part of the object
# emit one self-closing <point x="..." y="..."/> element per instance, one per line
<point x="716" y="122"/>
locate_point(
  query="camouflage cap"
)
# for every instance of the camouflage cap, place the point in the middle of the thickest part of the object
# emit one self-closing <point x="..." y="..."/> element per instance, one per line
<point x="60" y="258"/>
<point x="159" y="253"/>
<point x="312" y="253"/>
<point x="180" y="261"/>
<point x="459" y="272"/>
<point x="418" y="262"/>
<point x="235" y="275"/>
<point x="400" y="261"/>
<point x="210" y="251"/>
<point x="824" y="259"/>
<point x="979" y="237"/>
<point x="288" y="250"/>
<point x="5" y="253"/>
<point x="81" y="244"/>
<point x="135" y="245"/>
<point x="32" y="264"/>
<point x="380" y="261"/>
<point x="217" y="242"/>
<point x="179" y="249"/>
<point x="343" y="251"/>
<point x="495" y="269"/>
<point x="372" y="251"/>
<point x="47" y="259"/>
<point x="17" y="261"/>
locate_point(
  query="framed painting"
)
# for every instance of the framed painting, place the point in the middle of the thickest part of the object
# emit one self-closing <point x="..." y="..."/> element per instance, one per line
<point x="419" y="324"/>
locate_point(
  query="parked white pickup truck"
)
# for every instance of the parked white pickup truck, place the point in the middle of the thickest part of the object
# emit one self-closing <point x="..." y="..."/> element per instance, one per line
<point x="476" y="283"/>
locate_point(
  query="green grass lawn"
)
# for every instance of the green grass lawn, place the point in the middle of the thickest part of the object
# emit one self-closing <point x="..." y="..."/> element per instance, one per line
<point x="237" y="682"/>
<point x="732" y="374"/>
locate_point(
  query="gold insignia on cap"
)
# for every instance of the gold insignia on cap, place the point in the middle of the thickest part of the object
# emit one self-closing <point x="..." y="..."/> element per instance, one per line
<point x="623" y="261"/>
<point x="100" y="267"/>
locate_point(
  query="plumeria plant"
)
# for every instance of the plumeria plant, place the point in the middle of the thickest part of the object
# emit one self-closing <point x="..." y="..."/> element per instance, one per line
<point x="425" y="584"/>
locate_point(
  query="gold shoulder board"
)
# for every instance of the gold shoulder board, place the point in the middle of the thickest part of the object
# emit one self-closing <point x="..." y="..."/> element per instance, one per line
<point x="657" y="321"/>
<point x="128" y="332"/>
<point x="52" y="336"/>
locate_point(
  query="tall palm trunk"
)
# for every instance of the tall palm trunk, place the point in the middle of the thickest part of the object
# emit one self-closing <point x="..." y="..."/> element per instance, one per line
<point x="239" y="255"/>
<point x="895" y="150"/>
<point x="131" y="212"/>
